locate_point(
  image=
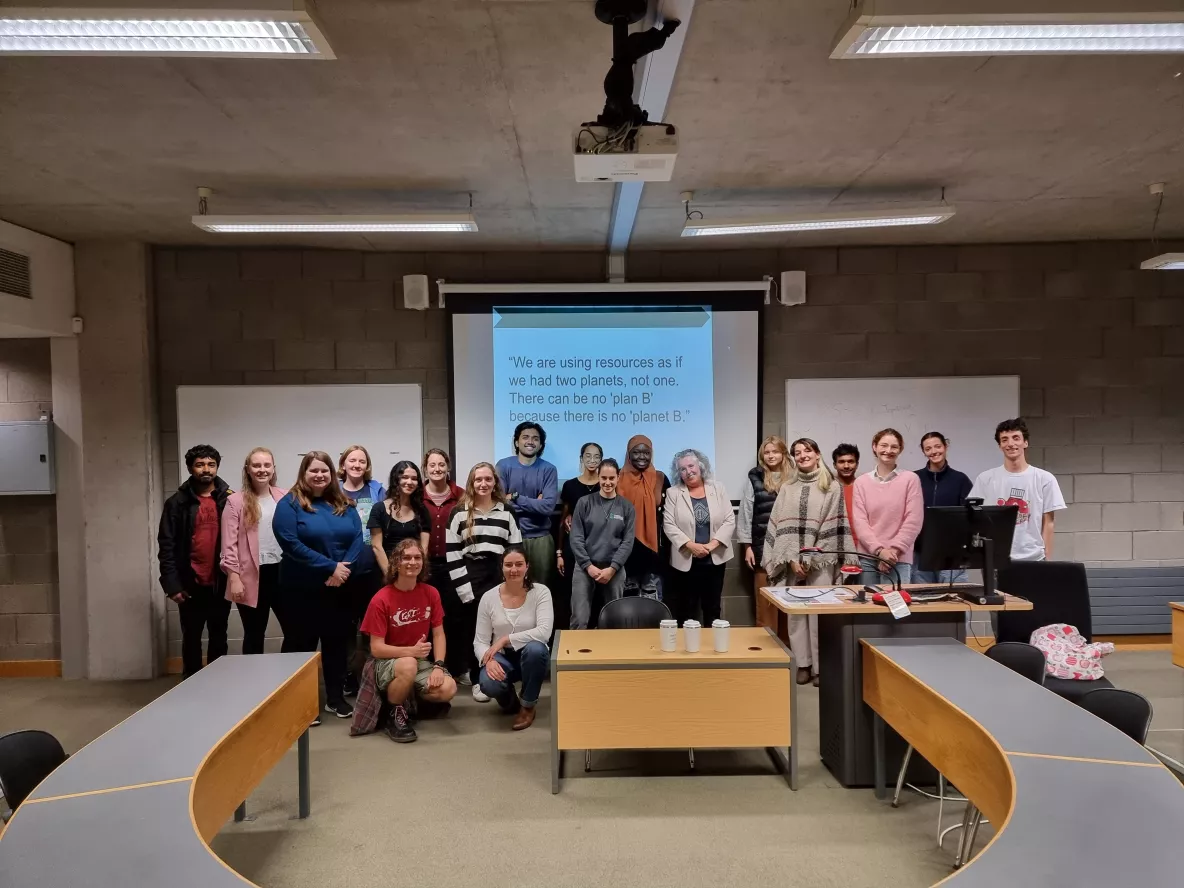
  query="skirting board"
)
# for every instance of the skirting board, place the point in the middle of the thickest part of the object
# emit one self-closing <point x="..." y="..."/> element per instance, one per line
<point x="30" y="668"/>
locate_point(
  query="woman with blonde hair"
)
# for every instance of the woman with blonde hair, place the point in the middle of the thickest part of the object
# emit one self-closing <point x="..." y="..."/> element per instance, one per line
<point x="480" y="529"/>
<point x="250" y="551"/>
<point x="320" y="534"/>
<point x="773" y="468"/>
<point x="809" y="514"/>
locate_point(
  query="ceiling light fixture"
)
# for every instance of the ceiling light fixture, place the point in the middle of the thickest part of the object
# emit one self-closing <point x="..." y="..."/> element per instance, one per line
<point x="910" y="28"/>
<point x="241" y="33"/>
<point x="1164" y="262"/>
<point x="427" y="224"/>
<point x="822" y="221"/>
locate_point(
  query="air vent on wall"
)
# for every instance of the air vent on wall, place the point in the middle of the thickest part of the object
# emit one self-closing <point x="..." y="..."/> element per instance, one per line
<point x="14" y="274"/>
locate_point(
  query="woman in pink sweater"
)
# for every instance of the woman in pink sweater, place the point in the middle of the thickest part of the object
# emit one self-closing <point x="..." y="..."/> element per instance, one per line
<point x="250" y="551"/>
<point x="888" y="511"/>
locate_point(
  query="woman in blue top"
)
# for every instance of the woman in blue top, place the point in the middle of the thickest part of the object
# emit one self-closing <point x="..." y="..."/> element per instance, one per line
<point x="320" y="534"/>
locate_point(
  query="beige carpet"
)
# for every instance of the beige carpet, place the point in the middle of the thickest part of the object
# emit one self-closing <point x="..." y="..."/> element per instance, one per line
<point x="470" y="804"/>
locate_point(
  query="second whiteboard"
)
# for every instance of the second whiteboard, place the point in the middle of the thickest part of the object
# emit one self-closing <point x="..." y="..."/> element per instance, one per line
<point x="965" y="409"/>
<point x="291" y="420"/>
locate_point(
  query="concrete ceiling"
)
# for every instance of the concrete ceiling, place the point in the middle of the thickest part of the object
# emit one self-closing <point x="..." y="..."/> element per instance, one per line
<point x="431" y="99"/>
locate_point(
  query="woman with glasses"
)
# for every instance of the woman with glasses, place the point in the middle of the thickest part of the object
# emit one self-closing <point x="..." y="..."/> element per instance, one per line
<point x="699" y="523"/>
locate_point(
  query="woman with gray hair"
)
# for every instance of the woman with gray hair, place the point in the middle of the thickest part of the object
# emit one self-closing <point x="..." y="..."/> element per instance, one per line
<point x="699" y="523"/>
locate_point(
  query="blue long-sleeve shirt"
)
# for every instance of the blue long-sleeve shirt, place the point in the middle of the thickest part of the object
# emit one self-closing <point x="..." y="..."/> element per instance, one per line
<point x="314" y="542"/>
<point x="540" y="477"/>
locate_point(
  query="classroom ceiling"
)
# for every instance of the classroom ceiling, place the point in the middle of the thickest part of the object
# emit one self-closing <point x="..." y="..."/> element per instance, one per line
<point x="429" y="100"/>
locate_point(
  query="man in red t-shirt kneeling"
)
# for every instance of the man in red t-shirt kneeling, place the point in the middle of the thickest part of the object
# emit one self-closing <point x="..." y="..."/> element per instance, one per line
<point x="399" y="619"/>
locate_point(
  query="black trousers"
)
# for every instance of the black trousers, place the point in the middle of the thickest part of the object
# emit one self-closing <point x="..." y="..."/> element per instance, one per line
<point x="203" y="610"/>
<point x="255" y="618"/>
<point x="319" y="614"/>
<point x="701" y="587"/>
<point x="460" y="617"/>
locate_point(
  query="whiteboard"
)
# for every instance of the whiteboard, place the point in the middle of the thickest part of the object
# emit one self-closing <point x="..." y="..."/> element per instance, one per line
<point x="290" y="420"/>
<point x="965" y="409"/>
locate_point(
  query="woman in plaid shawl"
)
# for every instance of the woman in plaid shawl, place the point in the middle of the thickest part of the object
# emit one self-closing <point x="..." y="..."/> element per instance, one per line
<point x="809" y="513"/>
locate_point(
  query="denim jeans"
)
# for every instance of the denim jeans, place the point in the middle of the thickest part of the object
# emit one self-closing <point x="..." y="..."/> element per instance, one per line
<point x="873" y="577"/>
<point x="528" y="665"/>
<point x="583" y="588"/>
<point x="939" y="576"/>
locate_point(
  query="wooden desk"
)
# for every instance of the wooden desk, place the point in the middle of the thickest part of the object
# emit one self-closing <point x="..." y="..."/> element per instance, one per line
<point x="139" y="805"/>
<point x="616" y="689"/>
<point x="844" y="725"/>
<point x="1075" y="801"/>
<point x="1178" y="633"/>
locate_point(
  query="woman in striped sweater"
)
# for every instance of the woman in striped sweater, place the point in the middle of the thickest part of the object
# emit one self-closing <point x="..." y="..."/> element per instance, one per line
<point x="479" y="530"/>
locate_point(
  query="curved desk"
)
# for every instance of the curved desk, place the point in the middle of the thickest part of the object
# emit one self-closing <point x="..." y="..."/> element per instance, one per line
<point x="1076" y="801"/>
<point x="138" y="805"/>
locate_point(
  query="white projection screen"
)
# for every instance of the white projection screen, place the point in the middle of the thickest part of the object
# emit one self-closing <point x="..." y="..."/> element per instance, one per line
<point x="679" y="363"/>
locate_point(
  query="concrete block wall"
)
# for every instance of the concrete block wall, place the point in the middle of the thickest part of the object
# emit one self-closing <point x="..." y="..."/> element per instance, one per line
<point x="28" y="529"/>
<point x="1098" y="344"/>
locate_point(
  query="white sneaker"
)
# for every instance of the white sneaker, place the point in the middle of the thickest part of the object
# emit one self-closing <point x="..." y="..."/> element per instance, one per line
<point x="479" y="695"/>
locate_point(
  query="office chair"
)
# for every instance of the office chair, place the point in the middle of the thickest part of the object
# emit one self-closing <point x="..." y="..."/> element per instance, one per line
<point x="634" y="612"/>
<point x="1059" y="592"/>
<point x="1023" y="659"/>
<point x="26" y="758"/>
<point x="1126" y="710"/>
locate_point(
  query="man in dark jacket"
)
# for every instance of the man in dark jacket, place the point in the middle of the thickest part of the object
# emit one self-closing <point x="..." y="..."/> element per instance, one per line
<point x="940" y="486"/>
<point x="189" y="549"/>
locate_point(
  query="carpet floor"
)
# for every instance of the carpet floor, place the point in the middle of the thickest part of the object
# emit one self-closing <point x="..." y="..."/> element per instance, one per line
<point x="470" y="803"/>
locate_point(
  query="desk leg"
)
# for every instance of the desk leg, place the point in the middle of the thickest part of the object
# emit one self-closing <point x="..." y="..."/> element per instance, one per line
<point x="302" y="764"/>
<point x="556" y="755"/>
<point x="878" y="755"/>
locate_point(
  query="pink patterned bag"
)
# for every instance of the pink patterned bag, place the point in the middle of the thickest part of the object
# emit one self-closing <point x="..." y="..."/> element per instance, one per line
<point x="1068" y="655"/>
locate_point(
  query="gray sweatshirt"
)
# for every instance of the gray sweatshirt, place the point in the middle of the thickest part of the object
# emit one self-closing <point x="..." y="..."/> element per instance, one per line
<point x="602" y="531"/>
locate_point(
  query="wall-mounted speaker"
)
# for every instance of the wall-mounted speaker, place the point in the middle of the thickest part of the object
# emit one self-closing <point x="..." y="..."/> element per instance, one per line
<point x="793" y="288"/>
<point x="416" y="293"/>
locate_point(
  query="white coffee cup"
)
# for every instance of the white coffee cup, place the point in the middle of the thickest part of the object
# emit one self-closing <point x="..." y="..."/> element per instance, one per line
<point x="669" y="632"/>
<point x="690" y="636"/>
<point x="719" y="633"/>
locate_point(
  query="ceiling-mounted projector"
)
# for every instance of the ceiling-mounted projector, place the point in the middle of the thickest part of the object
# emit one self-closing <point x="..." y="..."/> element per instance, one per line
<point x="625" y="154"/>
<point x="622" y="144"/>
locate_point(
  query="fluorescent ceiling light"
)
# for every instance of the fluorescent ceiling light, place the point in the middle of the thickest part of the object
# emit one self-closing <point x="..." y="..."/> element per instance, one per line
<point x="249" y="33"/>
<point x="823" y="221"/>
<point x="910" y="28"/>
<point x="435" y="224"/>
<point x="1164" y="262"/>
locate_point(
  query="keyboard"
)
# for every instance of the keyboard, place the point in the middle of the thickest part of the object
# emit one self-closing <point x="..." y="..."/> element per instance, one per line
<point x="937" y="591"/>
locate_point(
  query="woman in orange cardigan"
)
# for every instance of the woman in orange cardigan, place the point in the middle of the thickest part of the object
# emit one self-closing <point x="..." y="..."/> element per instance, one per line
<point x="250" y="552"/>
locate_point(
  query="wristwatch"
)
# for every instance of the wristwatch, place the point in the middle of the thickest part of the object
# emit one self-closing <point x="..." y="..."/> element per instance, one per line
<point x="439" y="663"/>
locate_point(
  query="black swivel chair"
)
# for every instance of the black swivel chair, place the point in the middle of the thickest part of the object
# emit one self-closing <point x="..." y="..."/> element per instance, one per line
<point x="26" y="758"/>
<point x="1059" y="592"/>
<point x="1126" y="710"/>
<point x="634" y="612"/>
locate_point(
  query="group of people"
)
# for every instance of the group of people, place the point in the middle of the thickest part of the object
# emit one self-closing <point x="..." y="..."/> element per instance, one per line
<point x="451" y="586"/>
<point x="801" y="522"/>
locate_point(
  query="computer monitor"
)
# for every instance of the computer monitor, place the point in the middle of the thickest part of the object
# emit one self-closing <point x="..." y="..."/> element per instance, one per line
<point x="969" y="536"/>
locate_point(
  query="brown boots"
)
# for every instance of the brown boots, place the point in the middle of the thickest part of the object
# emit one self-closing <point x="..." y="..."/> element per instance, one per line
<point x="524" y="719"/>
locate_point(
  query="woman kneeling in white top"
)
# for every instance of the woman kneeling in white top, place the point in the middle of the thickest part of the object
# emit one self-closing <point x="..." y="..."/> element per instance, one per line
<point x="514" y="623"/>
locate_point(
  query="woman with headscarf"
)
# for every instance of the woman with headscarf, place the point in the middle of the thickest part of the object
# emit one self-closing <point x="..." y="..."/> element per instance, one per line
<point x="645" y="487"/>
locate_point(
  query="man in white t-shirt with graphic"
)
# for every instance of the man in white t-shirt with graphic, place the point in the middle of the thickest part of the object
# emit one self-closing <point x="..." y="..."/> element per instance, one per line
<point x="1015" y="483"/>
